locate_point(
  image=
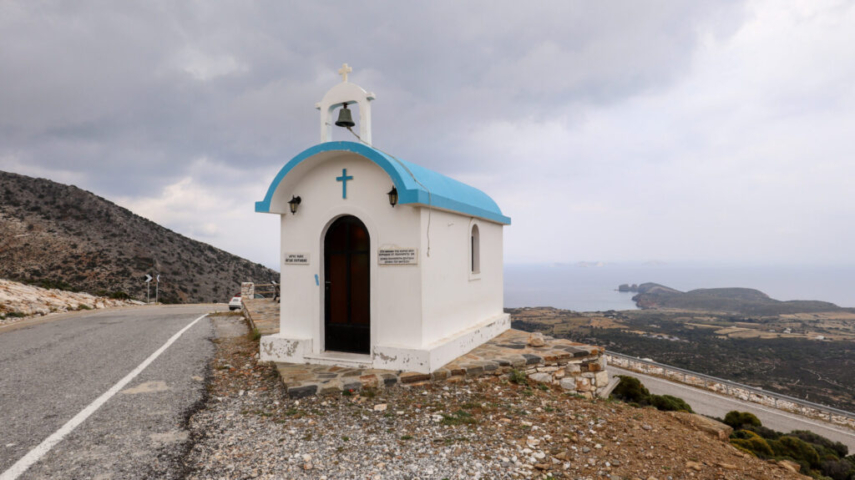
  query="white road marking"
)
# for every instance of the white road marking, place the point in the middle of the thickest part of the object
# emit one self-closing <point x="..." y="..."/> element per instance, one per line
<point x="782" y="413"/>
<point x="43" y="448"/>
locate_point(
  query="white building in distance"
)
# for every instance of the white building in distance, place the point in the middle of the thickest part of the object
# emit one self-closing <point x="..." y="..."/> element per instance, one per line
<point x="370" y="280"/>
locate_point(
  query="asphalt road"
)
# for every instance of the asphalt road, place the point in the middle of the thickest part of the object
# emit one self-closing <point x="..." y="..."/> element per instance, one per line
<point x="51" y="371"/>
<point x="708" y="403"/>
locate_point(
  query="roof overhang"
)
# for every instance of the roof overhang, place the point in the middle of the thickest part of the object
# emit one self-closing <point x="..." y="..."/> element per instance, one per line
<point x="416" y="185"/>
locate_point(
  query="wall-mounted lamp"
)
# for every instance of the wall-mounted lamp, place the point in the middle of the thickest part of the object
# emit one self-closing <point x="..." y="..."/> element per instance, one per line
<point x="293" y="203"/>
<point x="393" y="196"/>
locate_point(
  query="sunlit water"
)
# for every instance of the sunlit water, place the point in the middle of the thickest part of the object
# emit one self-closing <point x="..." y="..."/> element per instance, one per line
<point x="595" y="288"/>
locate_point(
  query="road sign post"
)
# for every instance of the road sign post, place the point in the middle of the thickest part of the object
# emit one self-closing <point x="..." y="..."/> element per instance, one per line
<point x="156" y="288"/>
<point x="147" y="288"/>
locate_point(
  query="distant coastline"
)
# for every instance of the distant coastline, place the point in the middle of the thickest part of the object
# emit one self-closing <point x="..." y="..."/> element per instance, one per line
<point x="653" y="296"/>
<point x="588" y="289"/>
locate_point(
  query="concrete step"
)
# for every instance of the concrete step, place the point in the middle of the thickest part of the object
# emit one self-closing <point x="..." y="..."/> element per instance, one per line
<point x="340" y="359"/>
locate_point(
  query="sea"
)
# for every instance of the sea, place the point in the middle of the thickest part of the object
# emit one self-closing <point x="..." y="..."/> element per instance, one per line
<point x="592" y="286"/>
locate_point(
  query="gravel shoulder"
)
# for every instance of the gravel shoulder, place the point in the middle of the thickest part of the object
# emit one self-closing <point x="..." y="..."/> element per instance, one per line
<point x="480" y="428"/>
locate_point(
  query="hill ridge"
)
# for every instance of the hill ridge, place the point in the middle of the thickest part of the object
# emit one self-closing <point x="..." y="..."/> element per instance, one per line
<point x="747" y="301"/>
<point x="59" y="235"/>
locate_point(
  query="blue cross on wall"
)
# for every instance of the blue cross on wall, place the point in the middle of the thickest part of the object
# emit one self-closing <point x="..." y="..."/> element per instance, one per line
<point x="343" y="179"/>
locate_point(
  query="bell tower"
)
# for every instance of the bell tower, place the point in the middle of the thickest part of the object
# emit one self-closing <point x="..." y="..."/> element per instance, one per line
<point x="346" y="93"/>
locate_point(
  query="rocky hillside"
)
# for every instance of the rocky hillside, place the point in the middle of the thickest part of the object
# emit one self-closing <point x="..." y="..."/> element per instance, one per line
<point x="60" y="236"/>
<point x="734" y="300"/>
<point x="19" y="301"/>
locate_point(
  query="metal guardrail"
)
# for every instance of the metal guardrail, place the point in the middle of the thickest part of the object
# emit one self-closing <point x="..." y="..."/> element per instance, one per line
<point x="759" y="391"/>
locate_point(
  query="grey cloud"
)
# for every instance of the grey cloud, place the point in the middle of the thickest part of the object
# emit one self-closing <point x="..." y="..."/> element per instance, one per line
<point x="610" y="111"/>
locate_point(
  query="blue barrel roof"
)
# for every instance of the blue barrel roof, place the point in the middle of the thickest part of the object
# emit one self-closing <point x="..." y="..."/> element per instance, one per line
<point x="415" y="184"/>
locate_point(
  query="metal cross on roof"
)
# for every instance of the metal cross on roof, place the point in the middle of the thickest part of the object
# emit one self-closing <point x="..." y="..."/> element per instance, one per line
<point x="343" y="71"/>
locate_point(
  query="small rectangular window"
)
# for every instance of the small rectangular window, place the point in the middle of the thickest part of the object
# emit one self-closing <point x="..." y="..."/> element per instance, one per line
<point x="475" y="251"/>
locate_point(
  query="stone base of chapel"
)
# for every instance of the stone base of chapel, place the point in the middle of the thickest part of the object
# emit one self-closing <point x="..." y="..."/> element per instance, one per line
<point x="575" y="368"/>
<point x="489" y="349"/>
<point x="427" y="359"/>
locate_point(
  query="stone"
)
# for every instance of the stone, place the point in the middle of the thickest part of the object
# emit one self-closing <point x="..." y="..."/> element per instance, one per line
<point x="380" y="407"/>
<point x="602" y="378"/>
<point x="568" y="383"/>
<point x="704" y="424"/>
<point x="790" y="466"/>
<point x="353" y="387"/>
<point x="541" y="377"/>
<point x="302" y="391"/>
<point x="532" y="359"/>
<point x="389" y="380"/>
<point x="369" y="381"/>
<point x="694" y="466"/>
<point x="413" y="377"/>
<point x="536" y="340"/>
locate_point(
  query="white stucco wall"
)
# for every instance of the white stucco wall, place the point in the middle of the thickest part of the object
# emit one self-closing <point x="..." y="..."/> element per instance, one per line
<point x="459" y="299"/>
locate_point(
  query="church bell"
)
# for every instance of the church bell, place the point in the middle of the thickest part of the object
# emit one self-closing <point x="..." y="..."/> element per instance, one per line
<point x="344" y="118"/>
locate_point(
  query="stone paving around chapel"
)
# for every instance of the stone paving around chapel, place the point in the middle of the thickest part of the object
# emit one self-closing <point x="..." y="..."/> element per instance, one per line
<point x="575" y="367"/>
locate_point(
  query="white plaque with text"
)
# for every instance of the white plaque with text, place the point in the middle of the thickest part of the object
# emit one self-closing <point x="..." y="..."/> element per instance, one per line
<point x="398" y="256"/>
<point x="296" y="259"/>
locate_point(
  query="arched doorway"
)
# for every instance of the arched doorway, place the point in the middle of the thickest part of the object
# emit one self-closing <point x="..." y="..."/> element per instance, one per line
<point x="347" y="313"/>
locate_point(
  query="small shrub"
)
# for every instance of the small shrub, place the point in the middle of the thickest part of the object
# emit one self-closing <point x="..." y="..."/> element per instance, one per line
<point x="254" y="335"/>
<point x="667" y="403"/>
<point x="120" y="296"/>
<point x="15" y="315"/>
<point x="83" y="306"/>
<point x="738" y="420"/>
<point x="837" y="469"/>
<point x="799" y="450"/>
<point x="839" y="450"/>
<point x="751" y="442"/>
<point x="764" y="432"/>
<point x="518" y="377"/>
<point x="630" y="389"/>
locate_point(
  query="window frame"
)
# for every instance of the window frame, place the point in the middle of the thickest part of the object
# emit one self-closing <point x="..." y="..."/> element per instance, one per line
<point x="474" y="247"/>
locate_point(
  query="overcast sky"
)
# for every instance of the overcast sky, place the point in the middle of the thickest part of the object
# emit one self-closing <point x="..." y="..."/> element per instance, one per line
<point x="613" y="131"/>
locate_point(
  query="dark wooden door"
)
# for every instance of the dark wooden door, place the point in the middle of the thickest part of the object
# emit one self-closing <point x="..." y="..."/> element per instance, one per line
<point x="347" y="315"/>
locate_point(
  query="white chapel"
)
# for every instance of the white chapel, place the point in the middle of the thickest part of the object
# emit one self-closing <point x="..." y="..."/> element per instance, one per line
<point x="385" y="264"/>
